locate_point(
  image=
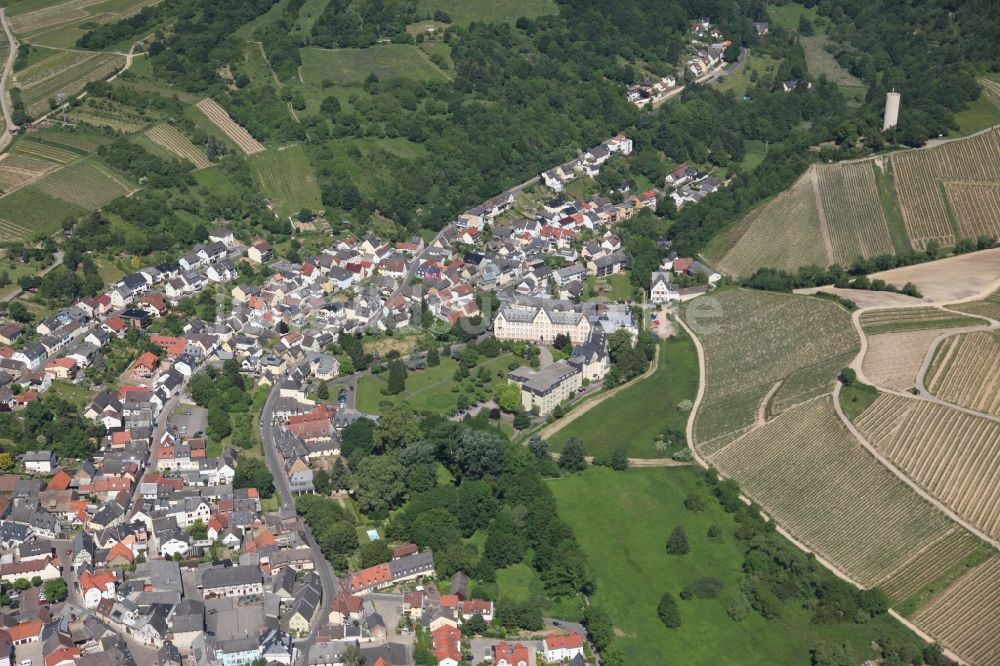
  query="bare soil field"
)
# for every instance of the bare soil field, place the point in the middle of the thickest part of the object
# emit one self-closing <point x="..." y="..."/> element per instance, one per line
<point x="893" y="359"/>
<point x="951" y="279"/>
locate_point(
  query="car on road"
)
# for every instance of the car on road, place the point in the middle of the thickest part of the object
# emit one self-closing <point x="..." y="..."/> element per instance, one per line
<point x="186" y="413"/>
<point x="260" y="424"/>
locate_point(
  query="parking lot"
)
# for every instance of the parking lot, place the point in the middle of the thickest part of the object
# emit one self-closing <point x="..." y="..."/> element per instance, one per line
<point x="189" y="420"/>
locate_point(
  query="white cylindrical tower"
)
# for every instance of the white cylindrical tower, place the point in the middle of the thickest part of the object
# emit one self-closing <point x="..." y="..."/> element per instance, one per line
<point x="891" y="110"/>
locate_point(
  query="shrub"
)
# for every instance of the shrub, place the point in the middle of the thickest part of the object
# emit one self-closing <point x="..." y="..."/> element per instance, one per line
<point x="704" y="587"/>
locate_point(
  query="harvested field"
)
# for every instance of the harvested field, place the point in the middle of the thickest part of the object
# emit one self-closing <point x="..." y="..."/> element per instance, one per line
<point x="752" y="340"/>
<point x="966" y="371"/>
<point x="951" y="279"/>
<point x="816" y="480"/>
<point x="927" y="567"/>
<point x="218" y="116"/>
<point x="976" y="207"/>
<point x="86" y="184"/>
<point x="170" y="138"/>
<point x="988" y="307"/>
<point x="920" y="175"/>
<point x="45" y="151"/>
<point x="913" y="319"/>
<point x="965" y="616"/>
<point x="785" y="234"/>
<point x="853" y="212"/>
<point x="15" y="170"/>
<point x="953" y="455"/>
<point x="894" y="359"/>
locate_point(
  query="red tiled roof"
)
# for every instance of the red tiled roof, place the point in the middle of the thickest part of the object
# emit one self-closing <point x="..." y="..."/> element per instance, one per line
<point x="567" y="642"/>
<point x="24" y="630"/>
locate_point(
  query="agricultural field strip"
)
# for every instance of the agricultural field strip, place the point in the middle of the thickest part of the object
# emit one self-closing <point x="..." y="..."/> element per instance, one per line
<point x="9" y="230"/>
<point x="859" y="228"/>
<point x="51" y="66"/>
<point x="218" y="116"/>
<point x="966" y="371"/>
<point x="992" y="90"/>
<point x="785" y="234"/>
<point x="987" y="307"/>
<point x="72" y="80"/>
<point x="976" y="207"/>
<point x="892" y="360"/>
<point x="45" y="152"/>
<point x="805" y="468"/>
<point x="895" y="320"/>
<point x="951" y="454"/>
<point x="167" y="136"/>
<point x="919" y="175"/>
<point x="736" y="381"/>
<point x="965" y="616"/>
<point x="928" y="564"/>
<point x="119" y="124"/>
<point x="84" y="184"/>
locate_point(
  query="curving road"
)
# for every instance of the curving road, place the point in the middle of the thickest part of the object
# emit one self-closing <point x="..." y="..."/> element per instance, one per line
<point x="8" y="68"/>
<point x="328" y="580"/>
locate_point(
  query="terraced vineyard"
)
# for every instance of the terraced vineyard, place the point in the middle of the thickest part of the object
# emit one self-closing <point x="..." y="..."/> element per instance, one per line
<point x="837" y="213"/>
<point x="15" y="170"/>
<point x="218" y="116"/>
<point x="86" y="184"/>
<point x="951" y="454"/>
<point x="976" y="207"/>
<point x="966" y="371"/>
<point x="45" y="151"/>
<point x="912" y="319"/>
<point x="754" y="339"/>
<point x="49" y="67"/>
<point x="988" y="307"/>
<point x="784" y="234"/>
<point x="921" y="176"/>
<point x="965" y="616"/>
<point x="927" y="568"/>
<point x="816" y="480"/>
<point x="894" y="359"/>
<point x="167" y="136"/>
<point x="859" y="229"/>
<point x="69" y="80"/>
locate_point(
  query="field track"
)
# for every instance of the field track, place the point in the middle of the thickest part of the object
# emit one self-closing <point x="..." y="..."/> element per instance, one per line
<point x="218" y="116"/>
<point x="808" y="471"/>
<point x="953" y="455"/>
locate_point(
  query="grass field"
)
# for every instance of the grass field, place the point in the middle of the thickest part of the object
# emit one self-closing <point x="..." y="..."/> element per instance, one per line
<point x="427" y="390"/>
<point x="352" y="66"/>
<point x="287" y="179"/>
<point x="752" y="341"/>
<point x="982" y="113"/>
<point x="30" y="211"/>
<point x="622" y="521"/>
<point x="739" y="82"/>
<point x="463" y="12"/>
<point x="634" y="417"/>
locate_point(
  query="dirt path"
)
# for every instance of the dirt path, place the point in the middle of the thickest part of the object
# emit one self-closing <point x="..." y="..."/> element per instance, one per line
<point x="824" y="230"/>
<point x="588" y="404"/>
<point x="8" y="68"/>
<point x="902" y="475"/>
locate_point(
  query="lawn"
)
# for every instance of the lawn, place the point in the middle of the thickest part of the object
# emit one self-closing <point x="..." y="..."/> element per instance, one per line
<point x="75" y="394"/>
<point x="634" y="417"/>
<point x="617" y="287"/>
<point x="739" y="82"/>
<point x="788" y="15"/>
<point x="287" y="179"/>
<point x="622" y="521"/>
<point x="427" y="390"/>
<point x="821" y="62"/>
<point x="518" y="582"/>
<point x="981" y="114"/>
<point x="463" y="12"/>
<point x="347" y="66"/>
<point x="755" y="152"/>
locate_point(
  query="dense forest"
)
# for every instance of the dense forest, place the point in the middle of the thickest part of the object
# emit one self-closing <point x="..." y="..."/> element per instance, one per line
<point x="529" y="95"/>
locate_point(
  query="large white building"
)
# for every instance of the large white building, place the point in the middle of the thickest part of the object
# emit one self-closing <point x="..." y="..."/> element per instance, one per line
<point x="540" y="324"/>
<point x="548" y="387"/>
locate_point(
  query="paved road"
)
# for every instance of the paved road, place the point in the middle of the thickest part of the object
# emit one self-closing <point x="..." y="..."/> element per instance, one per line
<point x="8" y="68"/>
<point x="328" y="580"/>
